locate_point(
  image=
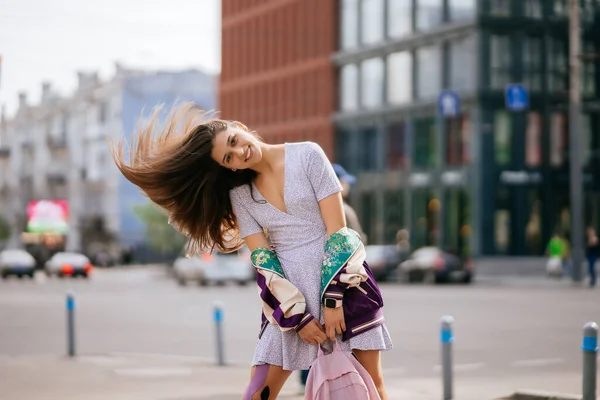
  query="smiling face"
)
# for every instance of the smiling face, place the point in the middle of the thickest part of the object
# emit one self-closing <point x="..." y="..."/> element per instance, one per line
<point x="235" y="148"/>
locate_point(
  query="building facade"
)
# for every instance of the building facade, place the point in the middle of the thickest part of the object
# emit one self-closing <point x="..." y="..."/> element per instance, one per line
<point x="276" y="71"/>
<point x="487" y="180"/>
<point x="57" y="150"/>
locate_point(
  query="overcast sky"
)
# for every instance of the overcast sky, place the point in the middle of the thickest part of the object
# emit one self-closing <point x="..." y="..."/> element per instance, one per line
<point x="50" y="40"/>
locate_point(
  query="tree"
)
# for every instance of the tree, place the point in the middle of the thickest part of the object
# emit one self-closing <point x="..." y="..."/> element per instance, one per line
<point x="161" y="236"/>
<point x="4" y="229"/>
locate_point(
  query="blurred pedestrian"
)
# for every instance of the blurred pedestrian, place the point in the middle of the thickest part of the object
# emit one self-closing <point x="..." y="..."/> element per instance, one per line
<point x="555" y="250"/>
<point x="592" y="252"/>
<point x="222" y="186"/>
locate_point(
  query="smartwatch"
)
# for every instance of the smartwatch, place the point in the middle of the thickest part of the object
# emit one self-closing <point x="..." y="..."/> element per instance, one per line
<point x="332" y="303"/>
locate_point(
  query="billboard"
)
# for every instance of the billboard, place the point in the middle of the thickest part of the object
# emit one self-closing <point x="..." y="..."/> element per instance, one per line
<point x="48" y="216"/>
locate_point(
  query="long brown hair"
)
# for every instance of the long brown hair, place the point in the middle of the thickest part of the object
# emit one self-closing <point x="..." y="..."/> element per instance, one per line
<point x="175" y="170"/>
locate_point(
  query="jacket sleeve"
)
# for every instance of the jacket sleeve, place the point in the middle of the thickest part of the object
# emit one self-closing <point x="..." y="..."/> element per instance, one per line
<point x="343" y="264"/>
<point x="283" y="304"/>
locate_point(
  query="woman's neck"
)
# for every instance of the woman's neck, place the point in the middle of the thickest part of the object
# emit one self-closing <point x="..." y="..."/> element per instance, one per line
<point x="271" y="155"/>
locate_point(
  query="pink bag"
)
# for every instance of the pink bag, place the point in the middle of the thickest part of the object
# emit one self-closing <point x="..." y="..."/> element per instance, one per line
<point x="339" y="376"/>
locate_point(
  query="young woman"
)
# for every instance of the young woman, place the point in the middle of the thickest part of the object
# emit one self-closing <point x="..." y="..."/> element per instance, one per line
<point x="224" y="187"/>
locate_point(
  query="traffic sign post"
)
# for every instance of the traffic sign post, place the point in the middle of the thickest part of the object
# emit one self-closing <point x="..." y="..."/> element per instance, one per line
<point x="517" y="98"/>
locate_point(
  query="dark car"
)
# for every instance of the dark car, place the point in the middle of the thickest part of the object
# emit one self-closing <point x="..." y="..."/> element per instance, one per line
<point x="383" y="261"/>
<point x="433" y="265"/>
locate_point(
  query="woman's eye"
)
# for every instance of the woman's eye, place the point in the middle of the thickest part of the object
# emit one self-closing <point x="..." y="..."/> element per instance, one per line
<point x="227" y="159"/>
<point x="233" y="140"/>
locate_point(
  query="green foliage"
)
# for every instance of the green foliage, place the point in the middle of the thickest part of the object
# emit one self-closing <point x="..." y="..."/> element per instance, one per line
<point x="161" y="236"/>
<point x="4" y="229"/>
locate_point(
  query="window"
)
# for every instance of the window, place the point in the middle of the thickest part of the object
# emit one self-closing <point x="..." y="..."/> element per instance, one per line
<point x="372" y="14"/>
<point x="558" y="65"/>
<point x="349" y="26"/>
<point x="372" y="75"/>
<point x="462" y="64"/>
<point x="429" y="75"/>
<point x="587" y="144"/>
<point x="502" y="138"/>
<point x="366" y="211"/>
<point x="458" y="135"/>
<point x="533" y="9"/>
<point x="533" y="227"/>
<point x="457" y="217"/>
<point x="588" y="71"/>
<point x="560" y="9"/>
<point x="367" y="149"/>
<point x="532" y="63"/>
<point x="349" y="87"/>
<point x="533" y="137"/>
<point x="343" y="138"/>
<point x="399" y="18"/>
<point x="399" y="83"/>
<point x="461" y="10"/>
<point x="558" y="139"/>
<point x="425" y="142"/>
<point x="500" y="61"/>
<point x="429" y="14"/>
<point x="500" y="8"/>
<point x="503" y="220"/>
<point x="396" y="145"/>
<point x="426" y="214"/>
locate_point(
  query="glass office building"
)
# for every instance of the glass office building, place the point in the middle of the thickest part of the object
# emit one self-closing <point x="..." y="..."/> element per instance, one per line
<point x="484" y="180"/>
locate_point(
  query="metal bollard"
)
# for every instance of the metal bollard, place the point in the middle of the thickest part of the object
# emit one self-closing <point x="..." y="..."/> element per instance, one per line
<point x="447" y="338"/>
<point x="218" y="317"/>
<point x="70" y="324"/>
<point x="590" y="349"/>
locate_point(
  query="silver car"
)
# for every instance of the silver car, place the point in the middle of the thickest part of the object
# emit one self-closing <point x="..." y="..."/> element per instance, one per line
<point x="217" y="268"/>
<point x="16" y="262"/>
<point x="68" y="264"/>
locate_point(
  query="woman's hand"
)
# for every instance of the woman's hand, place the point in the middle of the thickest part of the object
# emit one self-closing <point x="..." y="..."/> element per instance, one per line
<point x="313" y="333"/>
<point x="334" y="322"/>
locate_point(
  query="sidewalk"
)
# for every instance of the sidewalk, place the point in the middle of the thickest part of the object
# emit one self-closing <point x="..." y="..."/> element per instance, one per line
<point x="148" y="377"/>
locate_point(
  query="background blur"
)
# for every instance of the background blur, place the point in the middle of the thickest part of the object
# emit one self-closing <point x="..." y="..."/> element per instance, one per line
<point x="453" y="115"/>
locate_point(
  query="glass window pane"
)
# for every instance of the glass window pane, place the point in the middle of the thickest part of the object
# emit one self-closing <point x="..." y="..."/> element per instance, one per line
<point x="589" y="71"/>
<point x="560" y="8"/>
<point x="558" y="139"/>
<point x="429" y="14"/>
<point x="462" y="64"/>
<point x="461" y="10"/>
<point x="396" y="146"/>
<point x="349" y="87"/>
<point x="458" y="134"/>
<point x="533" y="137"/>
<point x="457" y="222"/>
<point x="399" y="89"/>
<point x="533" y="228"/>
<point x="558" y="65"/>
<point x="500" y="8"/>
<point x="349" y="28"/>
<point x="500" y="61"/>
<point x="502" y="137"/>
<point x="372" y="14"/>
<point x="367" y="149"/>
<point x="532" y="63"/>
<point x="426" y="214"/>
<point x="372" y="75"/>
<point x="425" y="142"/>
<point x="429" y="75"/>
<point x="399" y="17"/>
<point x="533" y="9"/>
<point x="502" y="220"/>
<point x="394" y="218"/>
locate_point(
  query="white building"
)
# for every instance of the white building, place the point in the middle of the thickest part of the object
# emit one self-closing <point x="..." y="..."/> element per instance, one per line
<point x="58" y="150"/>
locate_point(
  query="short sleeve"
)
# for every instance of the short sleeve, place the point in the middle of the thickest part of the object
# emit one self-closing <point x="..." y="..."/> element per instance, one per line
<point x="320" y="173"/>
<point x="246" y="222"/>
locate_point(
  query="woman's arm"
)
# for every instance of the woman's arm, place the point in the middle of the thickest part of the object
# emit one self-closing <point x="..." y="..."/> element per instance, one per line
<point x="332" y="211"/>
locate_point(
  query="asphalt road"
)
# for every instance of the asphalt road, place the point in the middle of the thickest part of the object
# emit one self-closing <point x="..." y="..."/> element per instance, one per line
<point x="503" y="328"/>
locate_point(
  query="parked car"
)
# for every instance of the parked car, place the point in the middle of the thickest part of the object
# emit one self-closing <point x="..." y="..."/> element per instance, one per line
<point x="433" y="265"/>
<point x="384" y="260"/>
<point x="68" y="264"/>
<point x="16" y="262"/>
<point x="218" y="268"/>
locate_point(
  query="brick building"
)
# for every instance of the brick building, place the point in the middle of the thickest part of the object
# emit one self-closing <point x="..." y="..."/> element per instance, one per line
<point x="277" y="75"/>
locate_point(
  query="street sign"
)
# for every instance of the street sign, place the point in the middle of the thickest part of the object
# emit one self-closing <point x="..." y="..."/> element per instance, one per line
<point x="448" y="103"/>
<point x="517" y="98"/>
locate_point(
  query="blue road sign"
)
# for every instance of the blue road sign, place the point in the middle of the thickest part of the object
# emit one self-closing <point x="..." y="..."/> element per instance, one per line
<point x="517" y="98"/>
<point x="448" y="103"/>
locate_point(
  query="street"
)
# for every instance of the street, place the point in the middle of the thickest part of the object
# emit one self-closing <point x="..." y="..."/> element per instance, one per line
<point x="136" y="323"/>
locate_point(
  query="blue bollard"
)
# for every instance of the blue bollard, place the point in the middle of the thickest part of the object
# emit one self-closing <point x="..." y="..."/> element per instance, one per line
<point x="70" y="324"/>
<point x="447" y="338"/>
<point x="218" y="318"/>
<point x="590" y="350"/>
